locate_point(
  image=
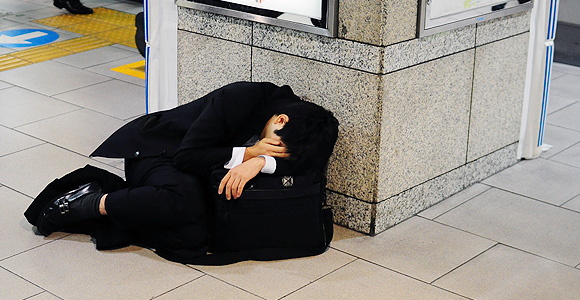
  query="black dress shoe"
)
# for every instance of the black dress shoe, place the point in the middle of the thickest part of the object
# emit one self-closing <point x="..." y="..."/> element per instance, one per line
<point x="73" y="6"/>
<point x="76" y="205"/>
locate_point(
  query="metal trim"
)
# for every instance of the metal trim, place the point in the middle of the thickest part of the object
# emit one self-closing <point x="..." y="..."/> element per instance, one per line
<point x="331" y="17"/>
<point x="473" y="17"/>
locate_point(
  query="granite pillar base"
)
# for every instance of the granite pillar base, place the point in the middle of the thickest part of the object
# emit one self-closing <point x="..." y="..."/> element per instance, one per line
<point x="373" y="218"/>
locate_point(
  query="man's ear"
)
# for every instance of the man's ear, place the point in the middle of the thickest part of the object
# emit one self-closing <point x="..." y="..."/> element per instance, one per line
<point x="281" y="119"/>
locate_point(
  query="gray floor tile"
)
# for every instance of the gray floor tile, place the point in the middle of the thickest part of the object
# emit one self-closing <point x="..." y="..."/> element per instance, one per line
<point x="13" y="287"/>
<point x="129" y="8"/>
<point x="540" y="179"/>
<point x="44" y="296"/>
<point x="15" y="141"/>
<point x="95" y="3"/>
<point x="573" y="204"/>
<point x="46" y="162"/>
<point x="560" y="138"/>
<point x="81" y="131"/>
<point x="523" y="223"/>
<point x="417" y="247"/>
<point x="565" y="86"/>
<point x="556" y="103"/>
<point x="556" y="74"/>
<point x="40" y="12"/>
<point x="272" y="280"/>
<point x="50" y="78"/>
<point x="4" y="50"/>
<point x="95" y="57"/>
<point x="105" y="69"/>
<point x="363" y="280"/>
<point x="4" y="85"/>
<point x="567" y="118"/>
<point x="453" y="201"/>
<point x="208" y="288"/>
<point x="5" y="23"/>
<point x="118" y="163"/>
<point x="42" y="2"/>
<point x="15" y="225"/>
<point x="508" y="274"/>
<point x="570" y="156"/>
<point x="569" y="69"/>
<point x="130" y="49"/>
<point x="17" y="6"/>
<point x="19" y="106"/>
<point x="85" y="273"/>
<point x="115" y="98"/>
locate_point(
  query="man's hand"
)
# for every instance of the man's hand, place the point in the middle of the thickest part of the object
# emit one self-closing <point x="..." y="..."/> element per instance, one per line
<point x="235" y="180"/>
<point x="266" y="146"/>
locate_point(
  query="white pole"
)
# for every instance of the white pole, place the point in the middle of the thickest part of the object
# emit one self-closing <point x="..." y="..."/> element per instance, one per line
<point x="536" y="94"/>
<point x="161" y="54"/>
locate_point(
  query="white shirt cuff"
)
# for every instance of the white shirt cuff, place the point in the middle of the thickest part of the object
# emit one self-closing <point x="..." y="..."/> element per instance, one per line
<point x="237" y="158"/>
<point x="270" y="166"/>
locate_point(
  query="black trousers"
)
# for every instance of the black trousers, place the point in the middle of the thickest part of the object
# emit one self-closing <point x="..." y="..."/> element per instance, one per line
<point x="157" y="207"/>
<point x="158" y="194"/>
<point x="162" y="207"/>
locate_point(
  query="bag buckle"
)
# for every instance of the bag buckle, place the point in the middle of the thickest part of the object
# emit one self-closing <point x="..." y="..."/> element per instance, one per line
<point x="288" y="181"/>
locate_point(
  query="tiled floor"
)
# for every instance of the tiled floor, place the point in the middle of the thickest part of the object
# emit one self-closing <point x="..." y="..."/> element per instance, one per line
<point x="516" y="235"/>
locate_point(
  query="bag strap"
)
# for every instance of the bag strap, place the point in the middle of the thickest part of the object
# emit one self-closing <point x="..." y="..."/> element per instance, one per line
<point x="257" y="194"/>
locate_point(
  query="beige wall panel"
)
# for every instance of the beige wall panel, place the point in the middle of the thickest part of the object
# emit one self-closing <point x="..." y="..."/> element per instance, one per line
<point x="205" y="64"/>
<point x="425" y="121"/>
<point x="498" y="91"/>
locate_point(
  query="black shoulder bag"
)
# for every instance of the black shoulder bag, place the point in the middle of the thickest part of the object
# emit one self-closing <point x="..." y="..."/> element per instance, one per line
<point x="276" y="217"/>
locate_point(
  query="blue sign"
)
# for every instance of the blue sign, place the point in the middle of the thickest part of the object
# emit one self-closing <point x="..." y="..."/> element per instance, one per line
<point x="26" y="37"/>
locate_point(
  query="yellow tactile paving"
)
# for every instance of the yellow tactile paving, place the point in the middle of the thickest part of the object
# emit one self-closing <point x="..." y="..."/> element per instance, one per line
<point x="62" y="20"/>
<point x="82" y="44"/>
<point x="40" y="54"/>
<point x="89" y="27"/>
<point x="102" y="28"/>
<point x="113" y="17"/>
<point x="9" y="62"/>
<point x="117" y="35"/>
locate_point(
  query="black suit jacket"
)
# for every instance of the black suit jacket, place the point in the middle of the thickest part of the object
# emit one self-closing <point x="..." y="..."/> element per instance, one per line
<point x="200" y="135"/>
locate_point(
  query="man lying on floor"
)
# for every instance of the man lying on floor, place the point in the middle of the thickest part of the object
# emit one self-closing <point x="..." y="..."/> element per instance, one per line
<point x="245" y="127"/>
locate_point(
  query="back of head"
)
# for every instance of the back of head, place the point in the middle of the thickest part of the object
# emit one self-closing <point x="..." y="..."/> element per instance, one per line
<point x="309" y="135"/>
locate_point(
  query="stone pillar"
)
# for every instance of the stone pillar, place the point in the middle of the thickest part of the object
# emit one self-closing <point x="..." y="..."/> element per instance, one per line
<point x="421" y="119"/>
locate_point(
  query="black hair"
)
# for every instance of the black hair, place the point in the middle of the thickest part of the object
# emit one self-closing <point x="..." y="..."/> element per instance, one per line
<point x="309" y="134"/>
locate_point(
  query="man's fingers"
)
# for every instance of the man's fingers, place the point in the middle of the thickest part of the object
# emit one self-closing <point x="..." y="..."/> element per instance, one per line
<point x="229" y="184"/>
<point x="235" y="180"/>
<point x="223" y="183"/>
<point x="272" y="141"/>
<point x="235" y="187"/>
<point x="229" y="189"/>
<point x="279" y="152"/>
<point x="226" y="185"/>
<point x="240" y="189"/>
<point x="232" y="186"/>
<point x="276" y="150"/>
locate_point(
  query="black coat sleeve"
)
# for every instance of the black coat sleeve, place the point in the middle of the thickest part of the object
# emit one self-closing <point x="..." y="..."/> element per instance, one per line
<point x="229" y="118"/>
